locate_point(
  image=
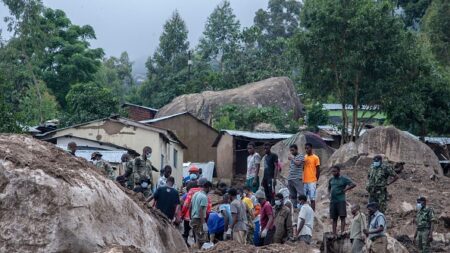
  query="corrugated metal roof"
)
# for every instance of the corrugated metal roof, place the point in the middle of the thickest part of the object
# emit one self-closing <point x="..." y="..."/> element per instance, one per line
<point x="438" y="140"/>
<point x="109" y="156"/>
<point x="140" y="106"/>
<point x="162" y="118"/>
<point x="258" y="135"/>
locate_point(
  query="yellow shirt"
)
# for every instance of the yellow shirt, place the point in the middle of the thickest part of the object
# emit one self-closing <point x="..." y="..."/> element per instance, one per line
<point x="248" y="203"/>
<point x="310" y="168"/>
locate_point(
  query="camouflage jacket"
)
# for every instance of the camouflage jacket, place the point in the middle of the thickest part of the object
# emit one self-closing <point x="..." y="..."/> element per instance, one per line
<point x="105" y="166"/>
<point x="138" y="169"/>
<point x="424" y="218"/>
<point x="378" y="177"/>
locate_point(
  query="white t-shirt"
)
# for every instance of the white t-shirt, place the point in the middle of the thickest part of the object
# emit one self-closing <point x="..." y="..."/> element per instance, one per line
<point x="306" y="213"/>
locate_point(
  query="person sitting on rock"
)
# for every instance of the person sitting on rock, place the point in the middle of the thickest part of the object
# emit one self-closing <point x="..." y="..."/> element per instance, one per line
<point x="379" y="174"/>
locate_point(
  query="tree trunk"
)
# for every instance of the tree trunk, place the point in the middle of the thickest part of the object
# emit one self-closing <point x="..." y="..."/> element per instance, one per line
<point x="353" y="137"/>
<point x="344" y="134"/>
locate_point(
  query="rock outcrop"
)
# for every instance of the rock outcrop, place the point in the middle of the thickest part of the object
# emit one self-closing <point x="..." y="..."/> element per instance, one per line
<point x="275" y="91"/>
<point x="53" y="202"/>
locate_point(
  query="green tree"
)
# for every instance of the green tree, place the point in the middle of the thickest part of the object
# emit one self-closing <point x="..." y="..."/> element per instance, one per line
<point x="89" y="101"/>
<point x="46" y="46"/>
<point x="413" y="11"/>
<point x="167" y="69"/>
<point x="349" y="49"/>
<point x="220" y="41"/>
<point x="31" y="107"/>
<point x="436" y="29"/>
<point x="316" y="116"/>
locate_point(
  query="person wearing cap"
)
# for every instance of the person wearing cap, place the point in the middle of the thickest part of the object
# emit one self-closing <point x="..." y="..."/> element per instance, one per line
<point x="379" y="174"/>
<point x="377" y="229"/>
<point x="267" y="226"/>
<point x="198" y="208"/>
<point x="283" y="220"/>
<point x="424" y="225"/>
<point x="103" y="165"/>
<point x="72" y="148"/>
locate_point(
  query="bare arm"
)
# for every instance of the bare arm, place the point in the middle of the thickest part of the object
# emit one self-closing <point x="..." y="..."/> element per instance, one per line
<point x="318" y="172"/>
<point x="226" y="220"/>
<point x="202" y="215"/>
<point x="393" y="180"/>
<point x="349" y="187"/>
<point x="300" y="226"/>
<point x="235" y="220"/>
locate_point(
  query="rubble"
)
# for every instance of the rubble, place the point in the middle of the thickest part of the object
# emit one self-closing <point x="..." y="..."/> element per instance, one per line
<point x="234" y="247"/>
<point x="51" y="201"/>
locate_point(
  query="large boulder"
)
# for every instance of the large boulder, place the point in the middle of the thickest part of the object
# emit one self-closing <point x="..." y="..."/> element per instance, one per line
<point x="51" y="201"/>
<point x="275" y="91"/>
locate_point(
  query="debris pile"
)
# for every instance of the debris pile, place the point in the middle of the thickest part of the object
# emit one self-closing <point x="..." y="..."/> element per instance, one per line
<point x="51" y="201"/>
<point x="234" y="247"/>
<point x="419" y="173"/>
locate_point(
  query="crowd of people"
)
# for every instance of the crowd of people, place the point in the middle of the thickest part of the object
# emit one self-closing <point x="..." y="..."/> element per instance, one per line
<point x="259" y="215"/>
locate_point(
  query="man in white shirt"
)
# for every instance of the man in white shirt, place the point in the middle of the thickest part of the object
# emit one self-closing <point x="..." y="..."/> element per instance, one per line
<point x="167" y="172"/>
<point x="305" y="221"/>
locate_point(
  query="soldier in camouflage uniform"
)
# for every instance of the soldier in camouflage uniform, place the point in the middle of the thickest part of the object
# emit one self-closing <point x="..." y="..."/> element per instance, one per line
<point x="379" y="174"/>
<point x="139" y="173"/>
<point x="424" y="222"/>
<point x="103" y="165"/>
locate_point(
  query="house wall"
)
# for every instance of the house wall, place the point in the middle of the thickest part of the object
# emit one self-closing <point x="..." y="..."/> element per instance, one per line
<point x="138" y="113"/>
<point x="134" y="138"/>
<point x="225" y="158"/>
<point x="195" y="135"/>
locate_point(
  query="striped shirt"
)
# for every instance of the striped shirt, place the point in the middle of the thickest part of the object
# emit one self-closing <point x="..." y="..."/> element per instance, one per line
<point x="296" y="171"/>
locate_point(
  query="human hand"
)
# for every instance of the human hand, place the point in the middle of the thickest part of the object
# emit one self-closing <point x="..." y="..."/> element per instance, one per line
<point x="205" y="227"/>
<point x="290" y="157"/>
<point x="264" y="233"/>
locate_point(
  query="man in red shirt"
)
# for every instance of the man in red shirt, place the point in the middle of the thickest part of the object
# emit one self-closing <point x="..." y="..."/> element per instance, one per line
<point x="266" y="219"/>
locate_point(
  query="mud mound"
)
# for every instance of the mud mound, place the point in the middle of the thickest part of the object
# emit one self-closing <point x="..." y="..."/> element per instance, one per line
<point x="53" y="202"/>
<point x="416" y="167"/>
<point x="320" y="148"/>
<point x="276" y="91"/>
<point x="234" y="247"/>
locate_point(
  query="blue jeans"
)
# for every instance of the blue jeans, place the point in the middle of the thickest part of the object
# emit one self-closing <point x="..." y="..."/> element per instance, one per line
<point x="256" y="234"/>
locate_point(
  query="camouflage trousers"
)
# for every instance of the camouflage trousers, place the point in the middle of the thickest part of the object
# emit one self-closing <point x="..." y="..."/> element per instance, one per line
<point x="422" y="240"/>
<point x="379" y="195"/>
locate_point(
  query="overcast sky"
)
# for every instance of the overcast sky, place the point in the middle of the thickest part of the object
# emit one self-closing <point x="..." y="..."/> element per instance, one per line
<point x="135" y="25"/>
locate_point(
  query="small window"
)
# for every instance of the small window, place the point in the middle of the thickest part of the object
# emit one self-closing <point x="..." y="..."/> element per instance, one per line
<point x="175" y="158"/>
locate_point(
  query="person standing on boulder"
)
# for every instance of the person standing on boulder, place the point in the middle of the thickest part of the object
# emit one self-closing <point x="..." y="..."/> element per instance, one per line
<point x="253" y="163"/>
<point x="424" y="226"/>
<point x="379" y="174"/>
<point x="139" y="173"/>
<point x="311" y="173"/>
<point x="337" y="187"/>
<point x="198" y="209"/>
<point x="270" y="172"/>
<point x="356" y="229"/>
<point x="377" y="229"/>
<point x="295" y="177"/>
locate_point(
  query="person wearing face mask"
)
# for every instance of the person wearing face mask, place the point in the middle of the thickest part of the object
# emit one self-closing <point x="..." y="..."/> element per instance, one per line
<point x="239" y="217"/>
<point x="379" y="174"/>
<point x="424" y="226"/>
<point x="139" y="173"/>
<point x="267" y="225"/>
<point x="305" y="221"/>
<point x="283" y="220"/>
<point x="337" y="187"/>
<point x="377" y="229"/>
<point x="103" y="165"/>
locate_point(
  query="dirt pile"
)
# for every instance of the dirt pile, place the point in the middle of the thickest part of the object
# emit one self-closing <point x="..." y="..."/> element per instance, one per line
<point x="275" y="91"/>
<point x="234" y="247"/>
<point x="416" y="168"/>
<point x="53" y="202"/>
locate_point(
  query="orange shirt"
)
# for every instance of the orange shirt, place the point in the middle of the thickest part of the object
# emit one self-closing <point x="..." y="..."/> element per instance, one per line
<point x="310" y="168"/>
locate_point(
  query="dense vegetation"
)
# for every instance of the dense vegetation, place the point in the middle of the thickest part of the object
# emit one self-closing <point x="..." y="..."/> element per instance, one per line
<point x="390" y="54"/>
